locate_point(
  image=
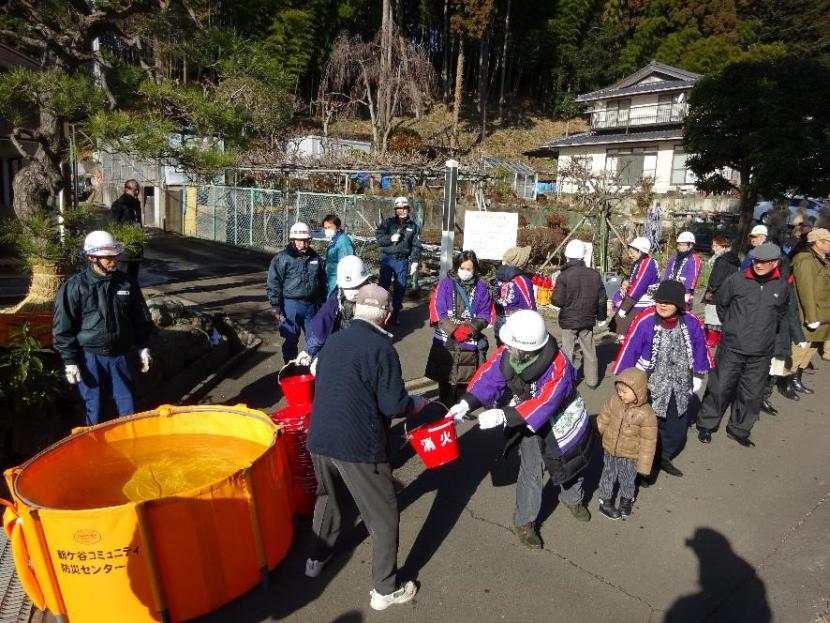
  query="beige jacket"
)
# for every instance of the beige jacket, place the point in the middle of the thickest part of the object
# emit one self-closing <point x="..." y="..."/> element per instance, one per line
<point x="630" y="431"/>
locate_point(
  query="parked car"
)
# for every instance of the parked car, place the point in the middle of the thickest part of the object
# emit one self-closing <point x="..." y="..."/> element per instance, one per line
<point x="810" y="205"/>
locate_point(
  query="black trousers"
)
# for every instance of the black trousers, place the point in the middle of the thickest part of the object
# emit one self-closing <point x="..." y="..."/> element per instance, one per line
<point x="737" y="381"/>
<point x="371" y="486"/>
<point x="672" y="430"/>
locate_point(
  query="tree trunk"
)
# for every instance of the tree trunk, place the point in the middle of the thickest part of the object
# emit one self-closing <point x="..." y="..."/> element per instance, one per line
<point x="748" y="198"/>
<point x="384" y="92"/>
<point x="483" y="72"/>
<point x="445" y="64"/>
<point x="459" y="89"/>
<point x="504" y="61"/>
<point x="40" y="180"/>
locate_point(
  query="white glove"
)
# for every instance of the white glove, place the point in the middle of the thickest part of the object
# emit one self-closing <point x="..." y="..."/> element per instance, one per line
<point x="303" y="359"/>
<point x="622" y="313"/>
<point x="73" y="374"/>
<point x="689" y="298"/>
<point x="813" y="325"/>
<point x="396" y="237"/>
<point x="697" y="383"/>
<point x="491" y="418"/>
<point x="413" y="268"/>
<point x="458" y="411"/>
<point x="804" y="344"/>
<point x="146" y="360"/>
<point x="418" y="404"/>
<point x="313" y="367"/>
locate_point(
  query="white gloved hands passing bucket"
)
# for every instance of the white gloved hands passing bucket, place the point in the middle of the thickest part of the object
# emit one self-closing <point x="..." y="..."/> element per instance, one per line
<point x="413" y="268"/>
<point x="395" y="237"/>
<point x="73" y="374"/>
<point x="303" y="359"/>
<point x="312" y="368"/>
<point x="622" y="313"/>
<point x="146" y="359"/>
<point x="491" y="418"/>
<point x="458" y="411"/>
<point x="697" y="383"/>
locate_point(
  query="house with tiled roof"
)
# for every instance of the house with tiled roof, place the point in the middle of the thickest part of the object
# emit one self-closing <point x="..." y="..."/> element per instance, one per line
<point x="636" y="130"/>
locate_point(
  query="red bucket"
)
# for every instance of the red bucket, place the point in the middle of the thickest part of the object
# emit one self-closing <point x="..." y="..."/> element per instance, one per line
<point x="435" y="443"/>
<point x="298" y="389"/>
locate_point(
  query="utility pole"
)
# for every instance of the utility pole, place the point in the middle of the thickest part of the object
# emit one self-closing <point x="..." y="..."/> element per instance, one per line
<point x="448" y="217"/>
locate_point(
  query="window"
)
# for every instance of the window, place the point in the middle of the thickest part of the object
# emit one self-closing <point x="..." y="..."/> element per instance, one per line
<point x="680" y="174"/>
<point x="630" y="165"/>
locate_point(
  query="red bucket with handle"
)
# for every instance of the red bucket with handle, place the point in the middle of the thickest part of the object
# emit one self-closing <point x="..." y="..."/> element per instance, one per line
<point x="298" y="389"/>
<point x="435" y="443"/>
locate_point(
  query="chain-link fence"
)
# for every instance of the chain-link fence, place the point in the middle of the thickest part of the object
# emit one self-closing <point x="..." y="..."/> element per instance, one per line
<point x="251" y="217"/>
<point x="359" y="214"/>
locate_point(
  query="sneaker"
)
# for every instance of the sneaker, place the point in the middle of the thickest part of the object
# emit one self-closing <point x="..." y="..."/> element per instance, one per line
<point x="607" y="508"/>
<point x="528" y="537"/>
<point x="580" y="512"/>
<point x="314" y="567"/>
<point x="704" y="436"/>
<point x="401" y="596"/>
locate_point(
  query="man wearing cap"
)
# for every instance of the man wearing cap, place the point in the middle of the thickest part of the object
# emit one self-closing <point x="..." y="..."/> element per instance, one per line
<point x="668" y="343"/>
<point x="399" y="238"/>
<point x="802" y="226"/>
<point x="757" y="236"/>
<point x="580" y="296"/>
<point x="512" y="287"/>
<point x="100" y="318"/>
<point x="359" y="390"/>
<point x="811" y="272"/>
<point x="295" y="288"/>
<point x="685" y="265"/>
<point x="753" y="306"/>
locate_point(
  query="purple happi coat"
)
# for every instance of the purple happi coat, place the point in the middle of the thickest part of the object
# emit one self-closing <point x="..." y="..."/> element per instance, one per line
<point x="442" y="305"/>
<point x="553" y="397"/>
<point x="636" y="348"/>
<point x="686" y="271"/>
<point x="644" y="274"/>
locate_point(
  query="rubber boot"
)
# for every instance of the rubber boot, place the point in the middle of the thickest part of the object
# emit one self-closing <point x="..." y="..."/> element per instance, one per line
<point x="607" y="508"/>
<point x="798" y="385"/>
<point x="625" y="506"/>
<point x="786" y="389"/>
<point x="766" y="404"/>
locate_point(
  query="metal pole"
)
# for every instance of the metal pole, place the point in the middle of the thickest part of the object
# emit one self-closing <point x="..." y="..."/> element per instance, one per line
<point x="448" y="217"/>
<point x="251" y="221"/>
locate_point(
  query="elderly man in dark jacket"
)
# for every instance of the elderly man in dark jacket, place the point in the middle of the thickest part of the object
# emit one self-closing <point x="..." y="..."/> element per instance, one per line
<point x="753" y="306"/>
<point x="359" y="389"/>
<point x="127" y="208"/>
<point x="580" y="296"/>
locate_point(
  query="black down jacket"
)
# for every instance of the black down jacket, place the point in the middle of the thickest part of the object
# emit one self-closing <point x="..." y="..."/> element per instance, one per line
<point x="580" y="296"/>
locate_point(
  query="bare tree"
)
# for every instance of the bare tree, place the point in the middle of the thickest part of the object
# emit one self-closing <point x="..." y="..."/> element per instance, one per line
<point x="384" y="77"/>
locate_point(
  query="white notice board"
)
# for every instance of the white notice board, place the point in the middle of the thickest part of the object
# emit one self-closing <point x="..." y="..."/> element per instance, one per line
<point x="490" y="234"/>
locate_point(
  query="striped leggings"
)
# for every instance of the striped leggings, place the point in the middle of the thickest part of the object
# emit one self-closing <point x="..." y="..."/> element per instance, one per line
<point x="617" y="469"/>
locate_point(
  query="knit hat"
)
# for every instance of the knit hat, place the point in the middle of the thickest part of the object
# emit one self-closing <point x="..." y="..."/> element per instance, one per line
<point x="517" y="256"/>
<point x="818" y="234"/>
<point x="671" y="291"/>
<point x="767" y="251"/>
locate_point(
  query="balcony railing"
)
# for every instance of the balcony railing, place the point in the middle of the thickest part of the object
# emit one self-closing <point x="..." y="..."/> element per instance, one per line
<point x="639" y="116"/>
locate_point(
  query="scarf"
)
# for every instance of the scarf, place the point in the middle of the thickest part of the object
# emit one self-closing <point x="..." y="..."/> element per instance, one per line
<point x="679" y="264"/>
<point x="670" y="371"/>
<point x="521" y="383"/>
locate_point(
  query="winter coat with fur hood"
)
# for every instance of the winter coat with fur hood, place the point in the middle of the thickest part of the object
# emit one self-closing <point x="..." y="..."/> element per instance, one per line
<point x="630" y="431"/>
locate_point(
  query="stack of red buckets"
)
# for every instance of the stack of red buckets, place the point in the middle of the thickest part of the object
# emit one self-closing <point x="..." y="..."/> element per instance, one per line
<point x="299" y="392"/>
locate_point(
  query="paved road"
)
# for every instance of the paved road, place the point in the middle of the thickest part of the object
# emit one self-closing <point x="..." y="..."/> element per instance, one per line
<point x="744" y="536"/>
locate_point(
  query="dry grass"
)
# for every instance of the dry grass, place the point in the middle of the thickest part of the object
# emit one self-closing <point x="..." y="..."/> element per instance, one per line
<point x="525" y="130"/>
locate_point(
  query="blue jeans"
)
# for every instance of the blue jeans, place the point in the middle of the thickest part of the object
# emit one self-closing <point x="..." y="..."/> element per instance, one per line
<point x="399" y="270"/>
<point x="102" y="375"/>
<point x="297" y="317"/>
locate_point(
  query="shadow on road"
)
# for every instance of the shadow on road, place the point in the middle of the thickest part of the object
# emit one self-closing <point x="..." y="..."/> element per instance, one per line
<point x="720" y="567"/>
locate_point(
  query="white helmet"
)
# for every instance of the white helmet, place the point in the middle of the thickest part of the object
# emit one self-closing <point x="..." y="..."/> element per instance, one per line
<point x="299" y="231"/>
<point x="686" y="236"/>
<point x="351" y="272"/>
<point x="401" y="202"/>
<point x="641" y="243"/>
<point x="575" y="250"/>
<point x="525" y="330"/>
<point x="102" y="244"/>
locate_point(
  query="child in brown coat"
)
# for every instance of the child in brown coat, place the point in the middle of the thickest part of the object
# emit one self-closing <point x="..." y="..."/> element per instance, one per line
<point x="628" y="427"/>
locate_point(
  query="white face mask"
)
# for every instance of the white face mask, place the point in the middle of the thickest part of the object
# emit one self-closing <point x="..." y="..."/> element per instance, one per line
<point x="351" y="295"/>
<point x="465" y="275"/>
<point x="329" y="233"/>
